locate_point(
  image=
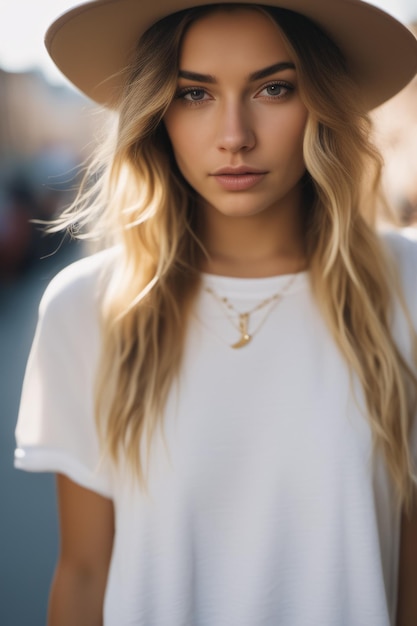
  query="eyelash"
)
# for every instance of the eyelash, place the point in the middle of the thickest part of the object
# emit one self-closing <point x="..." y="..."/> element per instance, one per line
<point x="180" y="95"/>
<point x="287" y="86"/>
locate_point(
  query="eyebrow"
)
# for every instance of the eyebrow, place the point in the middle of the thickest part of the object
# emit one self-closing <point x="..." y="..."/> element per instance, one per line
<point x="263" y="73"/>
<point x="272" y="69"/>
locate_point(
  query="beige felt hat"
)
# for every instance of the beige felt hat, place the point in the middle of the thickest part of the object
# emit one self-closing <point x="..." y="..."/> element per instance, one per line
<point x="92" y="43"/>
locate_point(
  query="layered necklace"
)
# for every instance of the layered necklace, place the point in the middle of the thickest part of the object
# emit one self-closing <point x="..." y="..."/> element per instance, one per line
<point x="241" y="320"/>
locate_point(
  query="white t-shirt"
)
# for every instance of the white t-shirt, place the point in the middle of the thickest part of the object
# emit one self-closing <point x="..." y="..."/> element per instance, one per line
<point x="268" y="509"/>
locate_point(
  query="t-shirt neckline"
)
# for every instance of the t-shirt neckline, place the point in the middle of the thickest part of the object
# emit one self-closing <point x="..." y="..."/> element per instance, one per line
<point x="231" y="286"/>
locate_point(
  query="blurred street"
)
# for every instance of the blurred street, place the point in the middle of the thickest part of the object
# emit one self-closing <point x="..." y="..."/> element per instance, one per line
<point x="46" y="133"/>
<point x="28" y="525"/>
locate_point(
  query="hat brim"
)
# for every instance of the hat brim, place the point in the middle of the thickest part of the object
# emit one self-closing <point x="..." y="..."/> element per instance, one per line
<point x="92" y="44"/>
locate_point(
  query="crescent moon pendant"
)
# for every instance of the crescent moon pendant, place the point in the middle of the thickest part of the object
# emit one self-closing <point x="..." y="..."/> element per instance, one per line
<point x="245" y="337"/>
<point x="243" y="341"/>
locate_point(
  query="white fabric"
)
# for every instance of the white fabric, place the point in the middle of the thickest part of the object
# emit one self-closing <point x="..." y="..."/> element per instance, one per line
<point x="268" y="509"/>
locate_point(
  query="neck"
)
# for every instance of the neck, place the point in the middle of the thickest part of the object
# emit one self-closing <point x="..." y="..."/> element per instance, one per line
<point x="253" y="246"/>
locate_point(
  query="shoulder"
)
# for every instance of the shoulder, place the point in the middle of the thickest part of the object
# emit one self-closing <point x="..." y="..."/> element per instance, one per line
<point x="77" y="288"/>
<point x="402" y="244"/>
<point x="401" y="249"/>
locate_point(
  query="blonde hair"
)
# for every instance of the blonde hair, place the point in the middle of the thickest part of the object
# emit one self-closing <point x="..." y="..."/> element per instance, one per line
<point x="143" y="201"/>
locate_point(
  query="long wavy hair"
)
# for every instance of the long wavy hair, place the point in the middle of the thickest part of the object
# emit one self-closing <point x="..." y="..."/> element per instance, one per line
<point x="142" y="201"/>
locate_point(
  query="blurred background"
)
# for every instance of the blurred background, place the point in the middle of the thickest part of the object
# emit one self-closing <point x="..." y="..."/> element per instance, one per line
<point x="47" y="131"/>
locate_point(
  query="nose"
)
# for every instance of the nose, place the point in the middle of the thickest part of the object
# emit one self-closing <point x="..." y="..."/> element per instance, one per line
<point x="235" y="128"/>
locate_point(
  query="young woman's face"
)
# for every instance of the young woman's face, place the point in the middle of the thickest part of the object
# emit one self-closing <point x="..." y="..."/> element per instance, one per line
<point x="237" y="122"/>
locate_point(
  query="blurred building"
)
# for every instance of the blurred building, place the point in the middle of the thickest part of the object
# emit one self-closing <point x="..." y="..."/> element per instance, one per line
<point x="34" y="114"/>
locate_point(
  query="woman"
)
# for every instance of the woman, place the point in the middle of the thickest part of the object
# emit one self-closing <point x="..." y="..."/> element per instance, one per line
<point x="226" y="393"/>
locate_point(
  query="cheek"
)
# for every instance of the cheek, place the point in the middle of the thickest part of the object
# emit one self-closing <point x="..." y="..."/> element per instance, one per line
<point x="184" y="139"/>
<point x="289" y="135"/>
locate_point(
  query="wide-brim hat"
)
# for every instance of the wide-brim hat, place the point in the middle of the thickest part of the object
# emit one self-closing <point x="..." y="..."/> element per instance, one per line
<point x="92" y="43"/>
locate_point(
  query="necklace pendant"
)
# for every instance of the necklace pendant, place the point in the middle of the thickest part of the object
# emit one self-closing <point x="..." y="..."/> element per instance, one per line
<point x="243" y="341"/>
<point x="245" y="337"/>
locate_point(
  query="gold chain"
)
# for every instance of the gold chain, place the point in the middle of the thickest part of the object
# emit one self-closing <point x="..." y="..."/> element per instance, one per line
<point x="244" y="317"/>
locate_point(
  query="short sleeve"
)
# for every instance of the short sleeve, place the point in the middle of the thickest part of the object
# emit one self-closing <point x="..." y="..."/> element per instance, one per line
<point x="56" y="429"/>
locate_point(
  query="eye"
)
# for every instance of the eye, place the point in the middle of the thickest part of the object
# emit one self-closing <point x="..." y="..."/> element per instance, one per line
<point x="193" y="94"/>
<point x="276" y="90"/>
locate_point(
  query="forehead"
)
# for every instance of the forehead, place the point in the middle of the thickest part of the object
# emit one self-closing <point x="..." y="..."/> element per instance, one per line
<point x="225" y="36"/>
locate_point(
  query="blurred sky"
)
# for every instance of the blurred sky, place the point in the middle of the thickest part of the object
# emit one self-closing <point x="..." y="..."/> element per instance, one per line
<point x="24" y="22"/>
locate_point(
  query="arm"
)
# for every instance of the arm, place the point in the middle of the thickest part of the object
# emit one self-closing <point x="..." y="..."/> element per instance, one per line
<point x="87" y="529"/>
<point x="407" y="579"/>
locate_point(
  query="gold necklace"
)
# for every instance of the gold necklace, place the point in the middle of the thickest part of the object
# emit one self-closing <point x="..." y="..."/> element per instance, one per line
<point x="244" y="318"/>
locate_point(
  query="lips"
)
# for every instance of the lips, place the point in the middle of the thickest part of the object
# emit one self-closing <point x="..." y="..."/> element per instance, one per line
<point x="241" y="170"/>
<point x="238" y="178"/>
